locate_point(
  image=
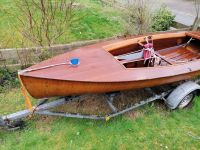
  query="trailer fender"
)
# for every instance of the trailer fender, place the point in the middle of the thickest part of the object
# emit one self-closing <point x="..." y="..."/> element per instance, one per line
<point x="176" y="96"/>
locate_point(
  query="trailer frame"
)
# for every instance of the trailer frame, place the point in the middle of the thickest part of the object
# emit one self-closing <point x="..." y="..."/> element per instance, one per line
<point x="11" y="121"/>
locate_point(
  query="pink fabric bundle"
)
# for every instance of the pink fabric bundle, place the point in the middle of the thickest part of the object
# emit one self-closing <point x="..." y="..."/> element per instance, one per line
<point x="148" y="45"/>
<point x="148" y="50"/>
<point x="146" y="54"/>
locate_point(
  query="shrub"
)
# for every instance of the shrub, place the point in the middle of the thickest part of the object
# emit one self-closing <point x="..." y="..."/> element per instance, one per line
<point x="8" y="79"/>
<point x="136" y="15"/>
<point x="44" y="54"/>
<point x="163" y="19"/>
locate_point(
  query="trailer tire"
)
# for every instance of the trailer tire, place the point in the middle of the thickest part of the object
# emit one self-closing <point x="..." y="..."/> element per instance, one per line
<point x="186" y="101"/>
<point x="182" y="95"/>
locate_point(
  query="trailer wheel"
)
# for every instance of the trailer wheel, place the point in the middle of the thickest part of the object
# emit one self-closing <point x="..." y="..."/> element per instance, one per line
<point x="186" y="101"/>
<point x="182" y="95"/>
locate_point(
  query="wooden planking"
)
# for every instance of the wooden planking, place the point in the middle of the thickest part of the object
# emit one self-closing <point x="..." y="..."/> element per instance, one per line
<point x="178" y="53"/>
<point x="187" y="57"/>
<point x="100" y="72"/>
<point x="172" y="51"/>
<point x="41" y="88"/>
<point x="194" y="34"/>
<point x="180" y="56"/>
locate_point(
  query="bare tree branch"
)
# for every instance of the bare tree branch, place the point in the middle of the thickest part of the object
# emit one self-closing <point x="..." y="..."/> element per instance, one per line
<point x="44" y="21"/>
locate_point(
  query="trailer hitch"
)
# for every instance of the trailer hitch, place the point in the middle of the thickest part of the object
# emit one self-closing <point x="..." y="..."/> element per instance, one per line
<point x="11" y="125"/>
<point x="2" y="122"/>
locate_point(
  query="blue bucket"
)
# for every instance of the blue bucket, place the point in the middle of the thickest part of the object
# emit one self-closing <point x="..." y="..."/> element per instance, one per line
<point x="74" y="61"/>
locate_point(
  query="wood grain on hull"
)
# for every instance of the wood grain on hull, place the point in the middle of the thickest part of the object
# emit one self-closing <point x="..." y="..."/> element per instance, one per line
<point x="99" y="71"/>
<point x="40" y="88"/>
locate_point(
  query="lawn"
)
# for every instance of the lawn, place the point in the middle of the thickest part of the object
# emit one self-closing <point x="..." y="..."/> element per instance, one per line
<point x="151" y="127"/>
<point x="95" y="22"/>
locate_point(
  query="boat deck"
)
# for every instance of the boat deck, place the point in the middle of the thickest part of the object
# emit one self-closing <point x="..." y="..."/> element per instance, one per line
<point x="98" y="64"/>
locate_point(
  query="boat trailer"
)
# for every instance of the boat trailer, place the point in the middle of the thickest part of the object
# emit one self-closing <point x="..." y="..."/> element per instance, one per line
<point x="178" y="97"/>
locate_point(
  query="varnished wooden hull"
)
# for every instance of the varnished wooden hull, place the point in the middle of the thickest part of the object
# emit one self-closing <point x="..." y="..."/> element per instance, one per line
<point x="100" y="72"/>
<point x="41" y="88"/>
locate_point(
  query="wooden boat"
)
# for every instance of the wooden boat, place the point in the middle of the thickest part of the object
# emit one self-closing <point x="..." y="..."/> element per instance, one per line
<point x="116" y="65"/>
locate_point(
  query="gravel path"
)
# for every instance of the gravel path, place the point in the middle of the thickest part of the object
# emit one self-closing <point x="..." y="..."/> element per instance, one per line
<point x="183" y="9"/>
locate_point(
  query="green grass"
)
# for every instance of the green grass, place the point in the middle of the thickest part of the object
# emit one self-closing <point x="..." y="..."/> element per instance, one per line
<point x="95" y="22"/>
<point x="152" y="127"/>
<point x="8" y="24"/>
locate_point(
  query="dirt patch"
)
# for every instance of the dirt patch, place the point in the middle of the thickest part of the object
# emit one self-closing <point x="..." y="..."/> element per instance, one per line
<point x="127" y="98"/>
<point x="43" y="122"/>
<point x="96" y="103"/>
<point x="133" y="114"/>
<point x="87" y="104"/>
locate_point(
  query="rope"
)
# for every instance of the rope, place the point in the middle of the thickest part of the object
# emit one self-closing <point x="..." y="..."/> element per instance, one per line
<point x="24" y="92"/>
<point x="44" y="67"/>
<point x="23" y="89"/>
